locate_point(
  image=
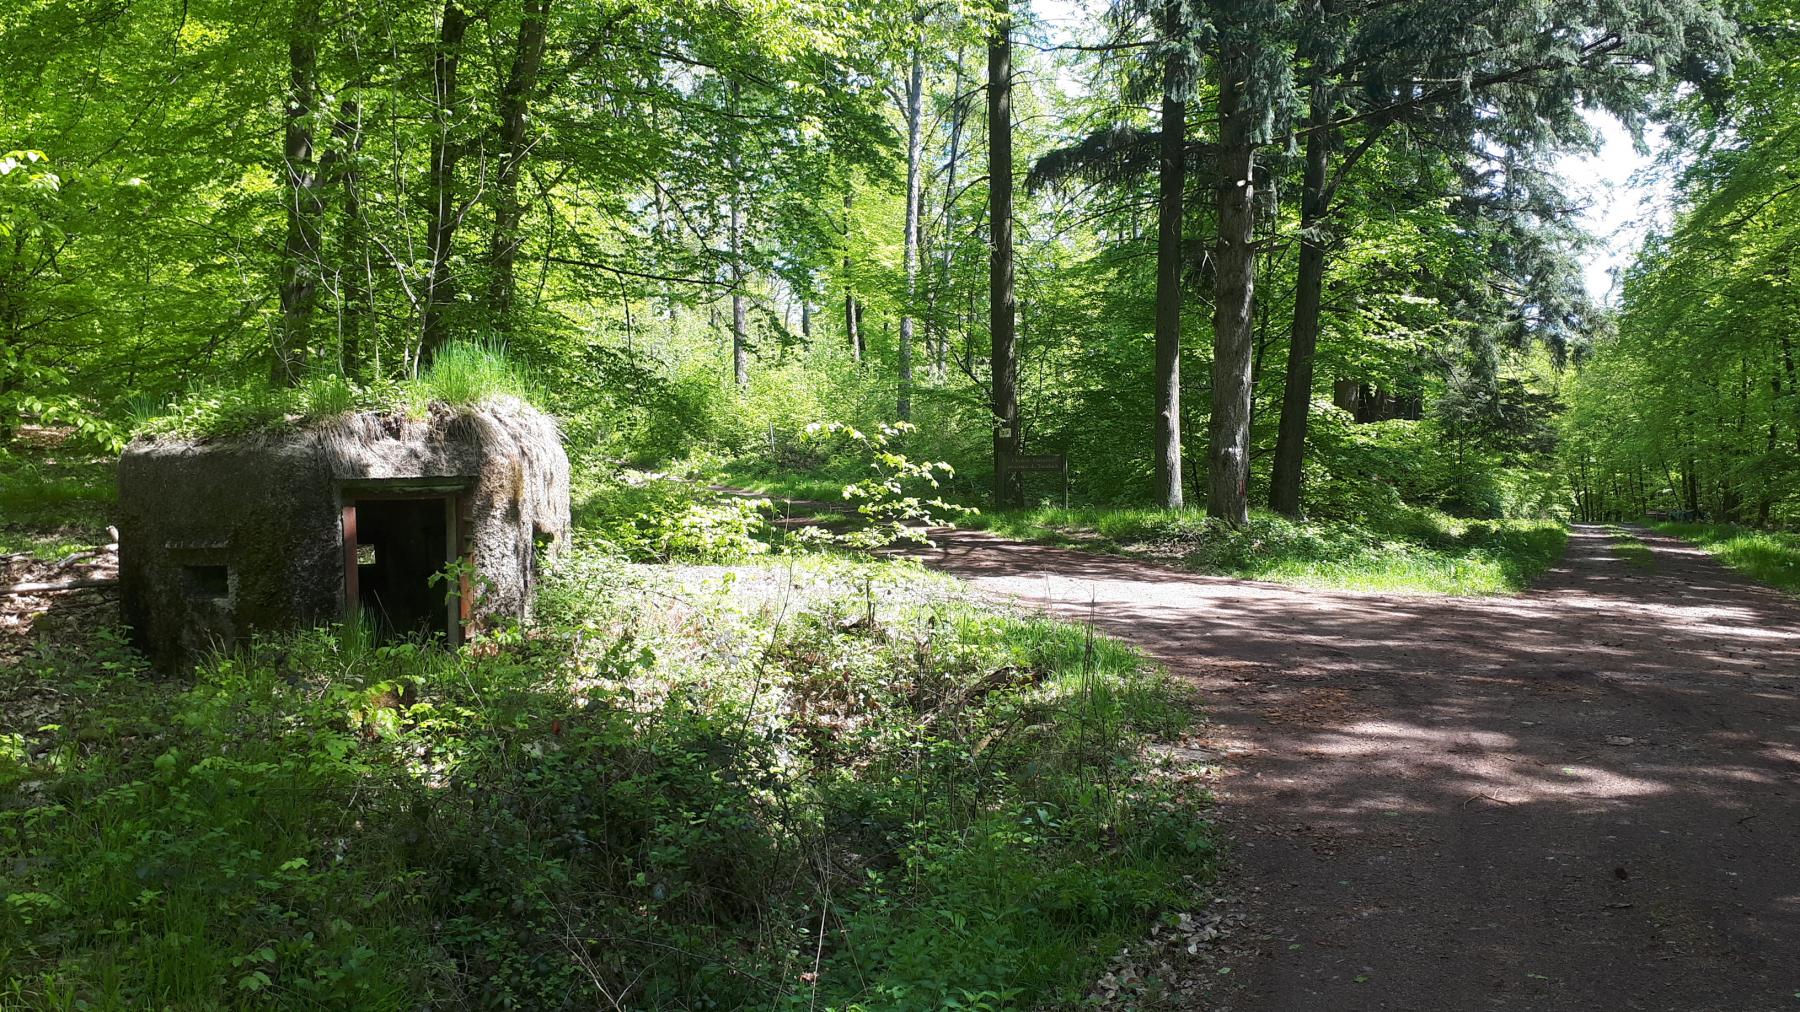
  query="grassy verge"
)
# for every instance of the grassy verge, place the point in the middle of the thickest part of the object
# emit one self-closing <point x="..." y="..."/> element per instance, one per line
<point x="1769" y="556"/>
<point x="1414" y="551"/>
<point x="808" y="782"/>
<point x="1632" y="549"/>
<point x="52" y="504"/>
<point x="783" y="484"/>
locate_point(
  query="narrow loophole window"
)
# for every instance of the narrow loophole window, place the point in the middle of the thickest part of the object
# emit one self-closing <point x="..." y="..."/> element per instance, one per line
<point x="209" y="581"/>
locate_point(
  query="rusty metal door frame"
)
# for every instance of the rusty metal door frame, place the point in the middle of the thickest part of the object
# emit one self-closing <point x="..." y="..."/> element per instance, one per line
<point x="350" y="493"/>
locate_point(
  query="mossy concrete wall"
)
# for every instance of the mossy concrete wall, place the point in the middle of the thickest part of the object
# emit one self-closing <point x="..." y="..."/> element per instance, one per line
<point x="268" y="510"/>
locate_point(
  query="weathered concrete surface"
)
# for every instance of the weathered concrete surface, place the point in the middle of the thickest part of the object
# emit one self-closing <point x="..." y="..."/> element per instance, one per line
<point x="268" y="509"/>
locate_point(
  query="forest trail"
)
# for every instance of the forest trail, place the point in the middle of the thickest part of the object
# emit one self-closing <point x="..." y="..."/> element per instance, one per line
<point x="1583" y="797"/>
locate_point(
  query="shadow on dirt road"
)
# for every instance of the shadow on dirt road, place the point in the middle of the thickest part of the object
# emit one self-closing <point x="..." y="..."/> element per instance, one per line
<point x="1583" y="797"/>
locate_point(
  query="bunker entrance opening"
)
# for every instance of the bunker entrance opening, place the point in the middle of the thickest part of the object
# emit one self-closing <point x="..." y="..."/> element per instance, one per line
<point x="393" y="547"/>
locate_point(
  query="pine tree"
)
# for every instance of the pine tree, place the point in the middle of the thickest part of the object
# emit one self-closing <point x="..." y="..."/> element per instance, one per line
<point x="1464" y="77"/>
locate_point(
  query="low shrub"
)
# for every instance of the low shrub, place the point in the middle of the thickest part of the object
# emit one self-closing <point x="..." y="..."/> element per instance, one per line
<point x="820" y="784"/>
<point x="654" y="518"/>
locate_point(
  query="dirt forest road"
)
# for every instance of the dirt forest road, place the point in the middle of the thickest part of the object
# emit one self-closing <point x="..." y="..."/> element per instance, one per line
<point x="1583" y="797"/>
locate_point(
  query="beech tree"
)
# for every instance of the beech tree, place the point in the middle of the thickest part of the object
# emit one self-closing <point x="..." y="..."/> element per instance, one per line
<point x="1002" y="297"/>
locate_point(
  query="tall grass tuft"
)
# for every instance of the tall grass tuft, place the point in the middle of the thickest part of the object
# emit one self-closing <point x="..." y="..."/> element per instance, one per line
<point x="328" y="397"/>
<point x="467" y="373"/>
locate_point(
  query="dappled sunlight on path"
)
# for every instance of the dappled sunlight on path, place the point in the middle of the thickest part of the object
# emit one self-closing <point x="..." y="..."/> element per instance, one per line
<point x="1586" y="796"/>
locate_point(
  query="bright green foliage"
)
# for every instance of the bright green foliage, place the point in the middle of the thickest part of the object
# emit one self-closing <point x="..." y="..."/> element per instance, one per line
<point x="888" y="498"/>
<point x="160" y="255"/>
<point x="51" y="506"/>
<point x="652" y="518"/>
<point x="583" y="214"/>
<point x="661" y="792"/>
<point x="1695" y="405"/>
<point x="1367" y="472"/>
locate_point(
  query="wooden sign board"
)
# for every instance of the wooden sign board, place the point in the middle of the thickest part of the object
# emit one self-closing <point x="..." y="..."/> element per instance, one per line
<point x="1051" y="462"/>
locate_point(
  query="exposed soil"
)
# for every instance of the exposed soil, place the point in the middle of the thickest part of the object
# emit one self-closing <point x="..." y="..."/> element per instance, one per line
<point x="1583" y="797"/>
<point x="48" y="615"/>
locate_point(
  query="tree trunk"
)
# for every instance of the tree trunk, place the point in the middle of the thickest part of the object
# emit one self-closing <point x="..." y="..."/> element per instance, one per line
<point x="852" y="311"/>
<point x="1234" y="291"/>
<point x="1003" y="352"/>
<point x="915" y="154"/>
<point x="941" y="345"/>
<point x="740" y="317"/>
<point x="354" y="338"/>
<point x="1172" y="168"/>
<point x="300" y="261"/>
<point x="1765" y="501"/>
<point x="740" y="321"/>
<point x="444" y="215"/>
<point x="853" y="325"/>
<point x="515" y="106"/>
<point x="1309" y="289"/>
<point x="1793" y="384"/>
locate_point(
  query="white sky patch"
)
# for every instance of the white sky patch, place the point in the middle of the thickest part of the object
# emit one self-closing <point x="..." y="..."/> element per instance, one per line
<point x="1622" y="200"/>
<point x="1067" y="20"/>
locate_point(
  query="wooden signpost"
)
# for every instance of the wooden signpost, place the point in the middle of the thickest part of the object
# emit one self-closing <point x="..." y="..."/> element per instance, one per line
<point x="1020" y="463"/>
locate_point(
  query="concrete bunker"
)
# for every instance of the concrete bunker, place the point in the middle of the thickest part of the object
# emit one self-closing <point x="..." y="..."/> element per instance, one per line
<point x="424" y="528"/>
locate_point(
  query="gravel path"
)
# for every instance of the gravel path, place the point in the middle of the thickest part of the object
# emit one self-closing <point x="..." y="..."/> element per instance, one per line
<point x="1583" y="797"/>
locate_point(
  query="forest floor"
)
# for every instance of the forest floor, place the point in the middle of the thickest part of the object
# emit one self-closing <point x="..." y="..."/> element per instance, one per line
<point x="1582" y="797"/>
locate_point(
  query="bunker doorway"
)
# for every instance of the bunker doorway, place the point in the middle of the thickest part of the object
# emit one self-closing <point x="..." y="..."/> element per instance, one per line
<point x="393" y="547"/>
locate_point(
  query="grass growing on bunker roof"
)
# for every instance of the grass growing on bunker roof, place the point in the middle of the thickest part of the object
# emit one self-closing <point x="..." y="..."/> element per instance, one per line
<point x="463" y="374"/>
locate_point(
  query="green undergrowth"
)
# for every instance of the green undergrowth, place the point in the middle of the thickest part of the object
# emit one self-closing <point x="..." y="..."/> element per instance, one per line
<point x="812" y="782"/>
<point x="53" y="503"/>
<point x="462" y="374"/>
<point x="1632" y="549"/>
<point x="1413" y="551"/>
<point x="659" y="518"/>
<point x="1773" y="557"/>
<point x="786" y="485"/>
